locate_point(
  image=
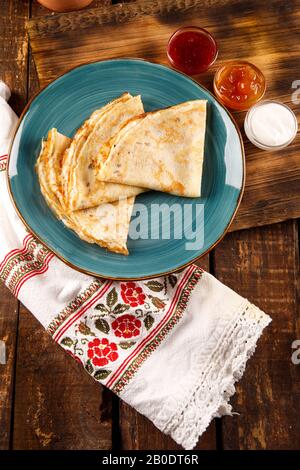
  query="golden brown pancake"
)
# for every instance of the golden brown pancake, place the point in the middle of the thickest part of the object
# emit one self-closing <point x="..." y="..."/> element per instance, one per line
<point x="162" y="150"/>
<point x="106" y="224"/>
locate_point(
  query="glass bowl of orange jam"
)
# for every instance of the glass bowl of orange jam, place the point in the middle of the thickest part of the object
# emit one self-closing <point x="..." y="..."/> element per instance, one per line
<point x="239" y="85"/>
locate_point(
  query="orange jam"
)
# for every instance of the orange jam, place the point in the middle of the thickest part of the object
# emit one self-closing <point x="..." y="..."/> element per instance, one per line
<point x="239" y="85"/>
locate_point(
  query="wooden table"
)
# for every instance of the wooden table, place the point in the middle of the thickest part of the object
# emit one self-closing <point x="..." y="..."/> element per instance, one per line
<point x="47" y="402"/>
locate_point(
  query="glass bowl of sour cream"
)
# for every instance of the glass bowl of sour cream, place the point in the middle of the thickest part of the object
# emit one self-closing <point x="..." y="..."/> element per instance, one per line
<point x="270" y="125"/>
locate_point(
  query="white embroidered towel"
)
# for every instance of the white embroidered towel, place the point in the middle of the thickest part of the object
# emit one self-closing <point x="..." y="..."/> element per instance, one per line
<point x="171" y="347"/>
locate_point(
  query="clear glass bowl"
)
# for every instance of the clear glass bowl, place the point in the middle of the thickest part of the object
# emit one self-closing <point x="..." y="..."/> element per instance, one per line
<point x="252" y="135"/>
<point x="225" y="100"/>
<point x="204" y="57"/>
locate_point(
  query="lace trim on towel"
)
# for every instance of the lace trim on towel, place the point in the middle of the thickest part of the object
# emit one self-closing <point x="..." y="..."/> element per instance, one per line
<point x="210" y="395"/>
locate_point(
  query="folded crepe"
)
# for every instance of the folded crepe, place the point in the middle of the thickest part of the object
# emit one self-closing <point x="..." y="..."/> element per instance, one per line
<point x="107" y="224"/>
<point x="80" y="187"/>
<point x="162" y="150"/>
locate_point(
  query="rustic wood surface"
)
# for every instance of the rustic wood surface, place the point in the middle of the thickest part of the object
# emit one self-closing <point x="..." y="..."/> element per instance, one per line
<point x="246" y="30"/>
<point x="263" y="265"/>
<point x="48" y="402"/>
<point x="13" y="66"/>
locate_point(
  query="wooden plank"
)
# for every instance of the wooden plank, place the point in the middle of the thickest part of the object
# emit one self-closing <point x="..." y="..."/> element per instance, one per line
<point x="14" y="50"/>
<point x="37" y="12"/>
<point x="13" y="63"/>
<point x="247" y="30"/>
<point x="138" y="433"/>
<point x="204" y="263"/>
<point x="8" y="334"/>
<point x="57" y="405"/>
<point x="262" y="264"/>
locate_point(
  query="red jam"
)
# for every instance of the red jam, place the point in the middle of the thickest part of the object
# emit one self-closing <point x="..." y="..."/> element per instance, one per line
<point x="239" y="85"/>
<point x="192" y="50"/>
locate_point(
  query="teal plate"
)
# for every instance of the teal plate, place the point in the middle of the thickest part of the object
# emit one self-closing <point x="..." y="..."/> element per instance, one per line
<point x="65" y="104"/>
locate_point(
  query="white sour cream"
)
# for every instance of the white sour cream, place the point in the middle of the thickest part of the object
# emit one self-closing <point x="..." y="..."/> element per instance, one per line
<point x="270" y="125"/>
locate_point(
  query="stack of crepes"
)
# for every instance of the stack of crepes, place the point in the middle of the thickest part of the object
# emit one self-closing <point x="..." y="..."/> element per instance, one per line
<point x="90" y="182"/>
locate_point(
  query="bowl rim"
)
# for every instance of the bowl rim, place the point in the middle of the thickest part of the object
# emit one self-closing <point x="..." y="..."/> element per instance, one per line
<point x="226" y="102"/>
<point x="120" y="278"/>
<point x="199" y="30"/>
<point x="256" y="142"/>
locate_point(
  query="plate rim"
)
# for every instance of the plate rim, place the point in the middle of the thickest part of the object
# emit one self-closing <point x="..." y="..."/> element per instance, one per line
<point x="92" y="273"/>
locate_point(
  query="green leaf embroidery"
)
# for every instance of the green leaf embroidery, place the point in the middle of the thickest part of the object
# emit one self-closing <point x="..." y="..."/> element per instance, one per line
<point x="67" y="342"/>
<point x="102" y="325"/>
<point x="112" y="297"/>
<point x="89" y="367"/>
<point x="155" y="286"/>
<point x="172" y="280"/>
<point x="101" y="307"/>
<point x="126" y="345"/>
<point x="158" y="303"/>
<point x="148" y="322"/>
<point x="120" y="308"/>
<point x="101" y="374"/>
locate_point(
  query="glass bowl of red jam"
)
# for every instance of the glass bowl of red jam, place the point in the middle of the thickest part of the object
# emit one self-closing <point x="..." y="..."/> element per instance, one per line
<point x="239" y="85"/>
<point x="192" y="50"/>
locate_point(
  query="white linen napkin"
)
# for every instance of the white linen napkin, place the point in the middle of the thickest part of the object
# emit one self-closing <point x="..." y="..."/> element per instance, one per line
<point x="171" y="347"/>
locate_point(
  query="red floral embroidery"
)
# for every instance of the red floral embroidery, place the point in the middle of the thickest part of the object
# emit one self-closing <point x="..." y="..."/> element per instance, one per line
<point x="132" y="294"/>
<point x="101" y="351"/>
<point x="126" y="326"/>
